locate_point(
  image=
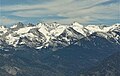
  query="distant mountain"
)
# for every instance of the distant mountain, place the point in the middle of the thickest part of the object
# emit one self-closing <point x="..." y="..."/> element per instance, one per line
<point x="43" y="35"/>
<point x="56" y="49"/>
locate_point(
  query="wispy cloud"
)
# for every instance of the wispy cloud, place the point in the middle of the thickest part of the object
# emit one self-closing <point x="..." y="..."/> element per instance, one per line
<point x="7" y="21"/>
<point x="84" y="11"/>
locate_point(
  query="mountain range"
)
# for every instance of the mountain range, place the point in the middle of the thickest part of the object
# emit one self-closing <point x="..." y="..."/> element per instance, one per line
<point x="44" y="35"/>
<point x="59" y="50"/>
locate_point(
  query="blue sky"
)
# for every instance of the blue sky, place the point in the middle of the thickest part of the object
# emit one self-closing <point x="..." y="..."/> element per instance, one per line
<point x="61" y="11"/>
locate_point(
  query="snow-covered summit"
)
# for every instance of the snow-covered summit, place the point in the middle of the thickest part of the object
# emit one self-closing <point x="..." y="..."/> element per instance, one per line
<point x="3" y="30"/>
<point x="44" y="34"/>
<point x="18" y="25"/>
<point x="115" y="27"/>
<point x="76" y="24"/>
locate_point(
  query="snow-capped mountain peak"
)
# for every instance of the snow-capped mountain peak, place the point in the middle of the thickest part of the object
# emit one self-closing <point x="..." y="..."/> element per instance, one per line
<point x="18" y="25"/>
<point x="44" y="34"/>
<point x="3" y="30"/>
<point x="79" y="28"/>
<point x="115" y="27"/>
<point x="94" y="28"/>
<point x="76" y="24"/>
